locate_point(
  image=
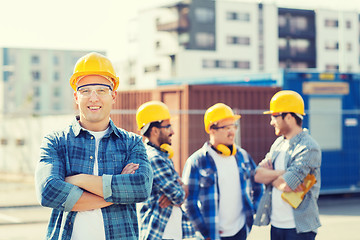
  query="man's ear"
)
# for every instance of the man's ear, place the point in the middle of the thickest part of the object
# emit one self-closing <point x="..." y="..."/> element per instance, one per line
<point x="154" y="131"/>
<point x="114" y="95"/>
<point x="76" y="97"/>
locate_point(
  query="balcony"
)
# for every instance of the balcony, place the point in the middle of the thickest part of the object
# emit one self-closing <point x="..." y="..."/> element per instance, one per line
<point x="182" y="25"/>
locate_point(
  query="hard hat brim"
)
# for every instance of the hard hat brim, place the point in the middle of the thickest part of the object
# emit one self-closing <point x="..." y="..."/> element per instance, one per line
<point x="268" y="112"/>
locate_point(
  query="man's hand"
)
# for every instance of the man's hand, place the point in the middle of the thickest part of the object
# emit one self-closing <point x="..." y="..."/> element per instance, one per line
<point x="164" y="202"/>
<point x="266" y="163"/>
<point x="280" y="184"/>
<point x="130" y="168"/>
<point x="185" y="187"/>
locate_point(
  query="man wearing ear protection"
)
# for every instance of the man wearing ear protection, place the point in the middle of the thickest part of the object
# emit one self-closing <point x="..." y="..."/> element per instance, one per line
<point x="293" y="156"/>
<point x="223" y="195"/>
<point x="161" y="216"/>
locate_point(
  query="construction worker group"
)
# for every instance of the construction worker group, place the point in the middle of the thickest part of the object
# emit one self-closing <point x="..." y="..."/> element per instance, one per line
<point x="103" y="182"/>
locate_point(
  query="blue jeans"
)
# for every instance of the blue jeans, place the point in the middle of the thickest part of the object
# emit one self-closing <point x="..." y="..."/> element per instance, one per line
<point x="290" y="234"/>
<point x="241" y="235"/>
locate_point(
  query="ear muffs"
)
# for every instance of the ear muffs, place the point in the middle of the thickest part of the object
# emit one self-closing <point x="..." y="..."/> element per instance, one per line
<point x="168" y="149"/>
<point x="226" y="150"/>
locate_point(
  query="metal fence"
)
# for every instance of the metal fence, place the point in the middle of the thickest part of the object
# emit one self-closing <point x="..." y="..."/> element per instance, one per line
<point x="338" y="134"/>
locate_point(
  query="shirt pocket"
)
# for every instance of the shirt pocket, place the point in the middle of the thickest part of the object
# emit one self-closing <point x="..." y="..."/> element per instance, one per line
<point x="114" y="162"/>
<point x="207" y="178"/>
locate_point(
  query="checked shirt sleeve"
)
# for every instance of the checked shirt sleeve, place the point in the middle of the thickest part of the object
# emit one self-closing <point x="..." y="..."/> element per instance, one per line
<point x="130" y="188"/>
<point x="191" y="178"/>
<point x="306" y="159"/>
<point x="166" y="179"/>
<point x="257" y="188"/>
<point x="52" y="191"/>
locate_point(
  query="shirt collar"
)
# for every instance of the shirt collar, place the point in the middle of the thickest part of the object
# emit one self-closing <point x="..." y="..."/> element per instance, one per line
<point x="298" y="137"/>
<point x="77" y="127"/>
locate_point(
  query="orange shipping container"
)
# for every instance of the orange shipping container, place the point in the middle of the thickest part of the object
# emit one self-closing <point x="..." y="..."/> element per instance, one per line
<point x="188" y="104"/>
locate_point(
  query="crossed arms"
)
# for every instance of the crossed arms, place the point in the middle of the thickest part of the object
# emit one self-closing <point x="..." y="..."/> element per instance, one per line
<point x="93" y="197"/>
<point x="266" y="174"/>
<point x="80" y="192"/>
<point x="291" y="179"/>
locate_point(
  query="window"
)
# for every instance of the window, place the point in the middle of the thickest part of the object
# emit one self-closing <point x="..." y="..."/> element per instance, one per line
<point x="35" y="75"/>
<point x="184" y="38"/>
<point x="56" y="60"/>
<point x="282" y="65"/>
<point x="35" y="59"/>
<point x="3" y="141"/>
<point x="241" y="16"/>
<point x="238" y="40"/>
<point x="37" y="91"/>
<point x="207" y="63"/>
<point x="154" y="68"/>
<point x="245" y="17"/>
<point x="348" y="47"/>
<point x="348" y="24"/>
<point x="56" y="76"/>
<point x="242" y="64"/>
<point x="331" y="67"/>
<point x="20" y="142"/>
<point x="56" y="106"/>
<point x="282" y="43"/>
<point x="331" y="23"/>
<point x="331" y="45"/>
<point x="157" y="44"/>
<point x="204" y="15"/>
<point x="57" y="92"/>
<point x="205" y="40"/>
<point x="301" y="23"/>
<point x="325" y="114"/>
<point x="226" y="64"/>
<point x="231" y="15"/>
<point x="37" y="106"/>
<point x="299" y="46"/>
<point x="282" y="20"/>
<point x="8" y="76"/>
<point x="299" y="65"/>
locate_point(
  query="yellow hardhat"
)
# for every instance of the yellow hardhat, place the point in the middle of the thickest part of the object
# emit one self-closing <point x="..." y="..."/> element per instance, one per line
<point x="152" y="111"/>
<point x="286" y="101"/>
<point x="94" y="64"/>
<point x="216" y="113"/>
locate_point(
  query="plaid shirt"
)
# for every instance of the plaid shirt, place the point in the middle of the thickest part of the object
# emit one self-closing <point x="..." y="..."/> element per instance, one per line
<point x="153" y="218"/>
<point x="71" y="152"/>
<point x="202" y="203"/>
<point x="303" y="157"/>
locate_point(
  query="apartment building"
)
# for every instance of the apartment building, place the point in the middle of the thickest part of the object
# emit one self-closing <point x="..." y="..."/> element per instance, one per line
<point x="36" y="81"/>
<point x="202" y="38"/>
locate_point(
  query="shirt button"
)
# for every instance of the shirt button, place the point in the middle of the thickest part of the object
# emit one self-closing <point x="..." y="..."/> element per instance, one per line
<point x="266" y="205"/>
<point x="92" y="137"/>
<point x="91" y="157"/>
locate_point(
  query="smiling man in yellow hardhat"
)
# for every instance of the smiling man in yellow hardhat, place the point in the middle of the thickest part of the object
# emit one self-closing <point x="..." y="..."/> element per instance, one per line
<point x="92" y="173"/>
<point x="292" y="157"/>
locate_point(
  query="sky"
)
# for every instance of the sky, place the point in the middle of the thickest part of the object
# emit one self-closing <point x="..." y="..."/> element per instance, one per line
<point x="100" y="25"/>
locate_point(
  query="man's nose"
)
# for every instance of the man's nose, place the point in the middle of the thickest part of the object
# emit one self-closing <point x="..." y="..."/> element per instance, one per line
<point x="93" y="95"/>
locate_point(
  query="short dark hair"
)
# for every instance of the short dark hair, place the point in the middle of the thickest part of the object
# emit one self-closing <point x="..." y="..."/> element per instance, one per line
<point x="153" y="124"/>
<point x="297" y="119"/>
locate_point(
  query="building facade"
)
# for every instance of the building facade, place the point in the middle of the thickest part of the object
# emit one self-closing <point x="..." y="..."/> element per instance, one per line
<point x="36" y="81"/>
<point x="201" y="38"/>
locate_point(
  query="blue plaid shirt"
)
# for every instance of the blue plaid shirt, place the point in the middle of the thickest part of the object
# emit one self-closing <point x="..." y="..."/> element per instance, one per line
<point x="71" y="152"/>
<point x="153" y="218"/>
<point x="202" y="203"/>
<point x="303" y="157"/>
